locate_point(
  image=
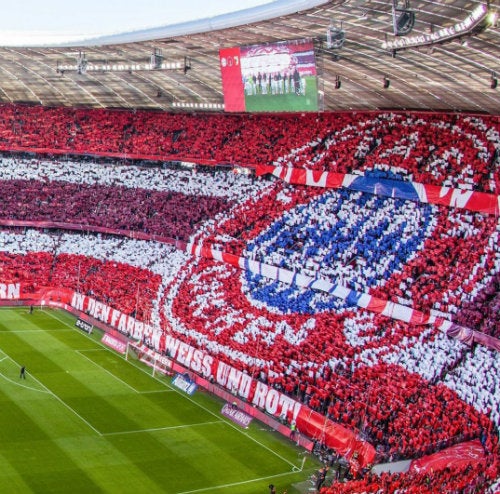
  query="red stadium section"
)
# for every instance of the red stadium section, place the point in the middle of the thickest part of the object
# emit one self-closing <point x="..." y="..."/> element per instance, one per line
<point x="340" y="271"/>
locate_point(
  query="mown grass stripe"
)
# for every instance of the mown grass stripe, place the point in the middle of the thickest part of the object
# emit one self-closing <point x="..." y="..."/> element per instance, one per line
<point x="147" y="436"/>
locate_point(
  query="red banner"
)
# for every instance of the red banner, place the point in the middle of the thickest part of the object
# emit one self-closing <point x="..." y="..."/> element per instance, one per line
<point x="462" y="454"/>
<point x="432" y="194"/>
<point x="239" y="383"/>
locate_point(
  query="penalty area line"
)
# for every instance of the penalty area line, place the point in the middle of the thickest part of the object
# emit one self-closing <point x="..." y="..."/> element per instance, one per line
<point x="199" y="405"/>
<point x="16" y="383"/>
<point x="113" y="352"/>
<point x="60" y="400"/>
<point x="159" y="429"/>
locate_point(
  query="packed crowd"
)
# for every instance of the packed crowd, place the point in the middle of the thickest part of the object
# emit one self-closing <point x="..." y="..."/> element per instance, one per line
<point x="441" y="149"/>
<point x="468" y="480"/>
<point x="167" y="214"/>
<point x="401" y="413"/>
<point x="126" y="274"/>
<point x="407" y="389"/>
<point x="425" y="257"/>
<point x="433" y="259"/>
<point x="483" y="312"/>
<point x="129" y="289"/>
<point x="381" y="377"/>
<point x="340" y="369"/>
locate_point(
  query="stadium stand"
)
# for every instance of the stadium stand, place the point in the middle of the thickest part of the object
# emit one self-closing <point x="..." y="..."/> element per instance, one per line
<point x="438" y="149"/>
<point x="407" y="388"/>
<point x="343" y="258"/>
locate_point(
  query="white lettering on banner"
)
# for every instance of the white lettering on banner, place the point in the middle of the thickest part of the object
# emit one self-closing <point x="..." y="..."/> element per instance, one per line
<point x="194" y="359"/>
<point x="259" y="396"/>
<point x="102" y="312"/>
<point x="197" y="360"/>
<point x="78" y="301"/>
<point x="122" y="323"/>
<point x="115" y="315"/>
<point x="105" y="310"/>
<point x="138" y="328"/>
<point x="288" y="405"/>
<point x="245" y="386"/>
<point x="208" y="362"/>
<point x="155" y="339"/>
<point x="272" y="401"/>
<point x="14" y="291"/>
<point x="98" y="310"/>
<point x="10" y="290"/>
<point x="460" y="198"/>
<point x="239" y="381"/>
<point x="183" y="354"/>
<point x="130" y="325"/>
<point x="233" y="379"/>
<point x="222" y="373"/>
<point x="171" y="345"/>
<point x="90" y="306"/>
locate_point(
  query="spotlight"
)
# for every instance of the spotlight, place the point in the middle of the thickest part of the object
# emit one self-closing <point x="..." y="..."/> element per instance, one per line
<point x="81" y="63"/>
<point x="338" y="82"/>
<point x="387" y="82"/>
<point x="335" y="37"/>
<point x="404" y="22"/>
<point x="494" y="82"/>
<point x="492" y="19"/>
<point x="156" y="59"/>
<point x="187" y="64"/>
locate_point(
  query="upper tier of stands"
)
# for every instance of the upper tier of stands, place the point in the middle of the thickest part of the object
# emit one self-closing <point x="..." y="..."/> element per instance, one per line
<point x="440" y="149"/>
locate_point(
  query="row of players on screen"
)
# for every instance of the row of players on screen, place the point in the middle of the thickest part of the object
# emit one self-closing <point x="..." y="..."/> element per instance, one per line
<point x="399" y="411"/>
<point x="439" y="149"/>
<point x="425" y="257"/>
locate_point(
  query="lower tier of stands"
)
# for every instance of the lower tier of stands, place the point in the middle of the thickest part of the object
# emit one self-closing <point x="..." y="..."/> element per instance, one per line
<point x="383" y="390"/>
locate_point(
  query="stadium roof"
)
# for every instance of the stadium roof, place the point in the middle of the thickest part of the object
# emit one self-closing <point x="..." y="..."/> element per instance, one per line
<point x="455" y="73"/>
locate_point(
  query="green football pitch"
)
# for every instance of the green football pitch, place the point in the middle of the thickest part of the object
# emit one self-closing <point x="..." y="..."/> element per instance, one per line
<point x="87" y="420"/>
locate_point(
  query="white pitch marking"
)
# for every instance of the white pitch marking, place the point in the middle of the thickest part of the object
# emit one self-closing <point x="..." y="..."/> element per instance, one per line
<point x="223" y="486"/>
<point x="228" y="423"/>
<point x="8" y="379"/>
<point x="107" y="371"/>
<point x="60" y="400"/>
<point x="155" y="429"/>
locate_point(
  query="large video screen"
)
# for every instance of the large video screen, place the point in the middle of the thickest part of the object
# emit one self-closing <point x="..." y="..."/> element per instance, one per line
<point x="273" y="77"/>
